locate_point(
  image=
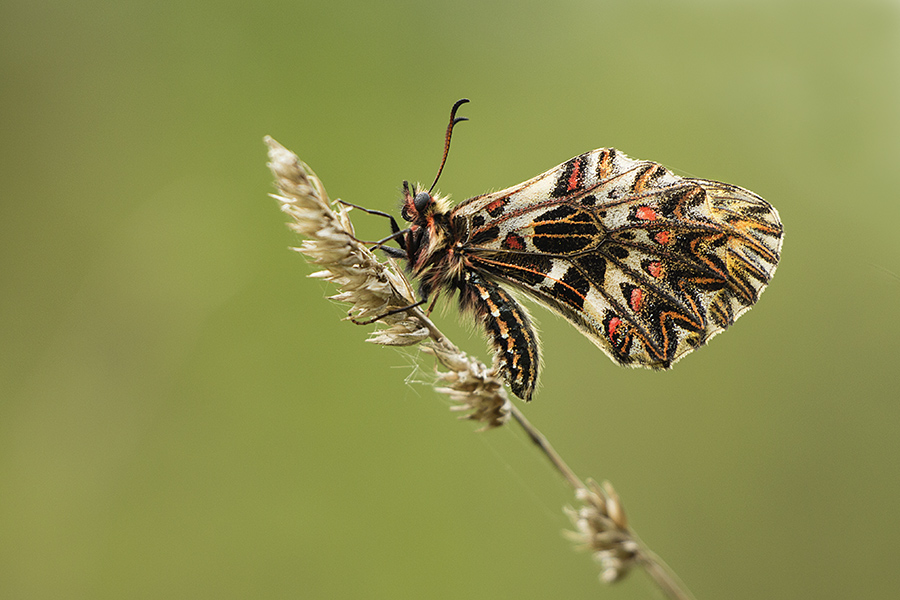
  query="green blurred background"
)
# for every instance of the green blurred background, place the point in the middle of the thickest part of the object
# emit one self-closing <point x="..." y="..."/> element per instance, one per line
<point x="182" y="414"/>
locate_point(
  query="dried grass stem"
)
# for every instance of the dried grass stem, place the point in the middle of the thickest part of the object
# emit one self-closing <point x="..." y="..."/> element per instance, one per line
<point x="373" y="288"/>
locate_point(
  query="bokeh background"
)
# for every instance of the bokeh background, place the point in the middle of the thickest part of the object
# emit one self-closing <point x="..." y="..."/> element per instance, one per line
<point x="183" y="415"/>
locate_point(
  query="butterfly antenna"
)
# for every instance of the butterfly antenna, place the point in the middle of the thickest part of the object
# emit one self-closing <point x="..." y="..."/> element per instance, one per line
<point x="453" y="121"/>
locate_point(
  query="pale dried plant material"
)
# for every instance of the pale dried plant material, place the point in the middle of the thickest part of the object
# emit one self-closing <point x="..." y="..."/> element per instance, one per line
<point x="602" y="528"/>
<point x="472" y="386"/>
<point x="374" y="289"/>
<point x="366" y="284"/>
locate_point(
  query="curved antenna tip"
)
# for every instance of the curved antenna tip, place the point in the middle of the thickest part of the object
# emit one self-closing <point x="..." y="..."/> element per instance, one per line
<point x="453" y="121"/>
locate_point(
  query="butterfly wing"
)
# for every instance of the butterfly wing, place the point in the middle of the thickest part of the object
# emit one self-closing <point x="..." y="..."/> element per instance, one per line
<point x="648" y="265"/>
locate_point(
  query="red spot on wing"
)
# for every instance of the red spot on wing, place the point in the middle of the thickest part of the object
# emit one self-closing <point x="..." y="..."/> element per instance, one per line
<point x="496" y="207"/>
<point x="572" y="184"/>
<point x="637" y="297"/>
<point x="513" y="242"/>
<point x="646" y="213"/>
<point x="662" y="237"/>
<point x="613" y="325"/>
<point x="654" y="269"/>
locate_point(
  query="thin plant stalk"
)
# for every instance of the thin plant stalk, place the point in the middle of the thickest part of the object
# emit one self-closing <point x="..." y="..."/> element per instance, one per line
<point x="379" y="291"/>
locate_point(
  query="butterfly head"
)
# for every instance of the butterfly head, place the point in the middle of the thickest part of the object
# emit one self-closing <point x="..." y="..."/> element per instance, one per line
<point x="420" y="207"/>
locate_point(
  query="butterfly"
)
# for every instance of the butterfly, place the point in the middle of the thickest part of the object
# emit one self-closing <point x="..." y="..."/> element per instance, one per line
<point x="648" y="265"/>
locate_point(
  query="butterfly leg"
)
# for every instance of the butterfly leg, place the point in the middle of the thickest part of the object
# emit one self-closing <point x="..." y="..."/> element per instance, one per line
<point x="393" y="311"/>
<point x="396" y="232"/>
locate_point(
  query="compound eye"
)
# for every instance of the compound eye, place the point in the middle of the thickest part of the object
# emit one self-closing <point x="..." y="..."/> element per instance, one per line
<point x="421" y="200"/>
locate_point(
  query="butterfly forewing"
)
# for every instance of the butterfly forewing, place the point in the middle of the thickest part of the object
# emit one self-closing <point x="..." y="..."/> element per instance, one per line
<point x="647" y="264"/>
